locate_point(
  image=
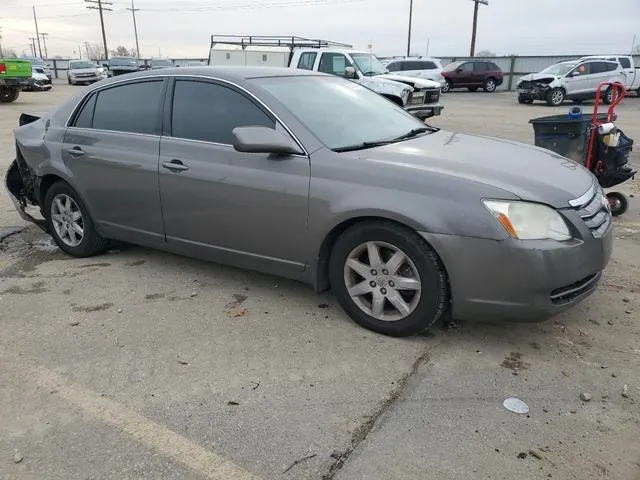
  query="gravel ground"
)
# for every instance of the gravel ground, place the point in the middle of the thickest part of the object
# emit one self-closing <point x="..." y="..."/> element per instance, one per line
<point x="141" y="364"/>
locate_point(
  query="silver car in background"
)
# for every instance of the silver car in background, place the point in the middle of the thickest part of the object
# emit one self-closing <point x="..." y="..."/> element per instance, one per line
<point x="318" y="179"/>
<point x="85" y="72"/>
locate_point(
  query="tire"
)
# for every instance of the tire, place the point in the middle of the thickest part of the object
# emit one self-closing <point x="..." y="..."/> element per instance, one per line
<point x="618" y="202"/>
<point x="524" y="100"/>
<point x="607" y="98"/>
<point x="90" y="243"/>
<point x="490" y="85"/>
<point x="555" y="97"/>
<point x="8" y="94"/>
<point x="421" y="306"/>
<point x="447" y="86"/>
<point x="472" y="89"/>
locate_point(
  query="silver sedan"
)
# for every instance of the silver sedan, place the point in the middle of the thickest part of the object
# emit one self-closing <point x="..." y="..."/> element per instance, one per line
<point x="318" y="179"/>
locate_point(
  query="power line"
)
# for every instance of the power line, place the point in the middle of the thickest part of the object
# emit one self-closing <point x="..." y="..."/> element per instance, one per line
<point x="100" y="8"/>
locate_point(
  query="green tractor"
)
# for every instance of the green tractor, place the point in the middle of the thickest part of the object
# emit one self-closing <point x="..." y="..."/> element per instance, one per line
<point x="14" y="74"/>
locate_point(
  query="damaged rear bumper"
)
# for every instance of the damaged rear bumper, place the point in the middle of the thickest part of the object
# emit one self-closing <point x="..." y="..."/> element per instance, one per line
<point x="16" y="189"/>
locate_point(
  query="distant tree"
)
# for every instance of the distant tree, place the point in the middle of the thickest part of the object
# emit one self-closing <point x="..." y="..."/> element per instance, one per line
<point x="485" y="53"/>
<point x="122" y="51"/>
<point x="94" y="51"/>
<point x="636" y="49"/>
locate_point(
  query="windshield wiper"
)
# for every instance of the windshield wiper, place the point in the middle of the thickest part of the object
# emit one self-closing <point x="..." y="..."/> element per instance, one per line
<point x="415" y="132"/>
<point x="363" y="146"/>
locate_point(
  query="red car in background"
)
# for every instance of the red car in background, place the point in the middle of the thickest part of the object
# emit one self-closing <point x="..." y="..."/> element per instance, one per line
<point x="472" y="74"/>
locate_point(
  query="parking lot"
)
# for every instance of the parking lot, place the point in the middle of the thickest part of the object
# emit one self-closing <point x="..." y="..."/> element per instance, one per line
<point x="142" y="364"/>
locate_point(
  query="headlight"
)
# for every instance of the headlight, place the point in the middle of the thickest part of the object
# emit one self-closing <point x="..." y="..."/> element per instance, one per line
<point x="529" y="221"/>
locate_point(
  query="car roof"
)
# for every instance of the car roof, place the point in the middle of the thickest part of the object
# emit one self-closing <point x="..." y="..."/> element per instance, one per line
<point x="226" y="73"/>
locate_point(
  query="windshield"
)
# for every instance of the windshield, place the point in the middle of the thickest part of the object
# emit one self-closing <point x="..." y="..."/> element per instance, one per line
<point x="82" y="64"/>
<point x="338" y="112"/>
<point x="452" y="66"/>
<point x="129" y="62"/>
<point x="559" y="68"/>
<point x="161" y="63"/>
<point x="368" y="64"/>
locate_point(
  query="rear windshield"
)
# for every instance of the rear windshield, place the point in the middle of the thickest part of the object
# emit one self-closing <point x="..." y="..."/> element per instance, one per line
<point x="121" y="62"/>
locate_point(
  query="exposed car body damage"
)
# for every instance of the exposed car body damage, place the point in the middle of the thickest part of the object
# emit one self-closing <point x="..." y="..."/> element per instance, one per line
<point x="537" y="86"/>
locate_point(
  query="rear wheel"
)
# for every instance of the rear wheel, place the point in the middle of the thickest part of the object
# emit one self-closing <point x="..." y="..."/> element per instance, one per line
<point x="555" y="97"/>
<point x="9" y="94"/>
<point x="447" y="86"/>
<point x="490" y="85"/>
<point x="618" y="202"/>
<point x="69" y="222"/>
<point x="388" y="279"/>
<point x="607" y="98"/>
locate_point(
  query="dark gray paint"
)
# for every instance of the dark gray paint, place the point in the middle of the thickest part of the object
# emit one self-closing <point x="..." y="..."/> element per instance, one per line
<point x="273" y="214"/>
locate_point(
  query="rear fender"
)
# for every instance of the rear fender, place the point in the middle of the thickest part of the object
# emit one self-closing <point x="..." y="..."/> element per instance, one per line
<point x="21" y="184"/>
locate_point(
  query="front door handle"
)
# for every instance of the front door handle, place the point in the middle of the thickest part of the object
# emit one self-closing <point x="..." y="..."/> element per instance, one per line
<point x="175" y="165"/>
<point x="74" y="151"/>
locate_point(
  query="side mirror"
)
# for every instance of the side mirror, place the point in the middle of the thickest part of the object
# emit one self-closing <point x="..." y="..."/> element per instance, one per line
<point x="458" y="70"/>
<point x="575" y="73"/>
<point x="263" y="140"/>
<point x="350" y="72"/>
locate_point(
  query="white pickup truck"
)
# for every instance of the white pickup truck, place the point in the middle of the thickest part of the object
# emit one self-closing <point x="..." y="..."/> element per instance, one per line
<point x="420" y="97"/>
<point x="630" y="71"/>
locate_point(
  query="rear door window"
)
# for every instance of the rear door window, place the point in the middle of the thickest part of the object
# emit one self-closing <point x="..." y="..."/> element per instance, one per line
<point x="132" y="108"/>
<point x="307" y="59"/>
<point x="625" y="62"/>
<point x="84" y="119"/>
<point x="598" y="67"/>
<point x="480" y="66"/>
<point x="209" y="112"/>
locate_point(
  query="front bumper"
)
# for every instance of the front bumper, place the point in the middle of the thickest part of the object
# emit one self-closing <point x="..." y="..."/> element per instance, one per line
<point x="533" y="93"/>
<point x="517" y="280"/>
<point x="425" y="111"/>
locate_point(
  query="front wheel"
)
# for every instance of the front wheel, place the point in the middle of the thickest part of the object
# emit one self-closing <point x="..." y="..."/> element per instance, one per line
<point x="388" y="279"/>
<point x="69" y="222"/>
<point x="618" y="202"/>
<point x="555" y="97"/>
<point x="490" y="85"/>
<point x="447" y="86"/>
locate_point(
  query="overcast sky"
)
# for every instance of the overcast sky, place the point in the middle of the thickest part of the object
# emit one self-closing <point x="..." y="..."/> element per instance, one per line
<point x="181" y="28"/>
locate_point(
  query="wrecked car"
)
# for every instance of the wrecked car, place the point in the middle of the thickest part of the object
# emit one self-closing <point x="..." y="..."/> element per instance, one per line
<point x="572" y="80"/>
<point x="318" y="179"/>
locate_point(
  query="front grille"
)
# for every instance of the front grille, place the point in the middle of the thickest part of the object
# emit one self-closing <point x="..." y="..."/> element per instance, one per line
<point x="525" y="85"/>
<point x="569" y="293"/>
<point x="86" y="75"/>
<point x="593" y="208"/>
<point x="426" y="96"/>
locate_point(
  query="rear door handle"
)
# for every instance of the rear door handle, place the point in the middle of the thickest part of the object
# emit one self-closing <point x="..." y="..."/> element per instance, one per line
<point x="74" y="151"/>
<point x="175" y="165"/>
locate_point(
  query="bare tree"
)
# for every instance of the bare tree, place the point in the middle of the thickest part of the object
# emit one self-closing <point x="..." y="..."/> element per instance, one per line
<point x="122" y="51"/>
<point x="485" y="53"/>
<point x="636" y="49"/>
<point x="94" y="50"/>
<point x="9" y="53"/>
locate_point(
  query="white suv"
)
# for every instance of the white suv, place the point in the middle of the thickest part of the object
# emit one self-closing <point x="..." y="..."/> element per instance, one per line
<point x="574" y="80"/>
<point x="423" y="67"/>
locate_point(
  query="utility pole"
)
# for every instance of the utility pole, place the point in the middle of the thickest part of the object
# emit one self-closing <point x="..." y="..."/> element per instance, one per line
<point x="100" y="7"/>
<point x="409" y="36"/>
<point x="33" y="46"/>
<point x="428" y="42"/>
<point x="475" y="25"/>
<point x="44" y="41"/>
<point x="35" y="19"/>
<point x="133" y="10"/>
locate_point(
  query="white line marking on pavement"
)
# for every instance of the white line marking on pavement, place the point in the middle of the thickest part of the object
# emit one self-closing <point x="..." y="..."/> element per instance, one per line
<point x="143" y="430"/>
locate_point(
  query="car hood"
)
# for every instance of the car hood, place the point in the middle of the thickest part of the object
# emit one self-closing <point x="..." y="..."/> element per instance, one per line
<point x="538" y="76"/>
<point x="413" y="81"/>
<point x="86" y="70"/>
<point x="528" y="172"/>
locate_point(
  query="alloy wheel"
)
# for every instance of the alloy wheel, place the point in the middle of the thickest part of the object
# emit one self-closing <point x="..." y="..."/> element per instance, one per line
<point x="557" y="97"/>
<point x="67" y="220"/>
<point x="382" y="281"/>
<point x="490" y="86"/>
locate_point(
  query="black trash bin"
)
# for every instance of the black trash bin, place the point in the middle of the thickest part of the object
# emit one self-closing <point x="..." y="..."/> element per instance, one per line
<point x="563" y="135"/>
